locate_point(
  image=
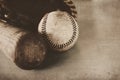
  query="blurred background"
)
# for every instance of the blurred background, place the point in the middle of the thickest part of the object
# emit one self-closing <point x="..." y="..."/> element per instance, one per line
<point x="96" y="56"/>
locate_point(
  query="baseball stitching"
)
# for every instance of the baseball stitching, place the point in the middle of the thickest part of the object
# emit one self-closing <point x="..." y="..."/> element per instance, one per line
<point x="58" y="46"/>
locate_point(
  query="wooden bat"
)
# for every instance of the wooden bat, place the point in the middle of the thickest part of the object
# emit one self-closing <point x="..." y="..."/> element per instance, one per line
<point x="26" y="49"/>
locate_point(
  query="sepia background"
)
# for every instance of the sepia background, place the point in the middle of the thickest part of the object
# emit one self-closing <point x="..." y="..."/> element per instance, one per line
<point x="96" y="56"/>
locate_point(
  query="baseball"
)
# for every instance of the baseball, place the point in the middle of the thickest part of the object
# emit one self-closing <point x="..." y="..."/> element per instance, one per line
<point x="60" y="30"/>
<point x="26" y="49"/>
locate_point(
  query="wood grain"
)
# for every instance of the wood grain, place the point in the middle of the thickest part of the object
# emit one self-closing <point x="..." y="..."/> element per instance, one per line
<point x="26" y="49"/>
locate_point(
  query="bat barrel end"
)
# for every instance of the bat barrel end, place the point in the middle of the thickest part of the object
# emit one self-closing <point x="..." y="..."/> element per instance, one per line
<point x="30" y="51"/>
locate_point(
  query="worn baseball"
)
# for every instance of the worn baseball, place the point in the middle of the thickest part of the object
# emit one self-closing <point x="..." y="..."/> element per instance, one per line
<point x="60" y="30"/>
